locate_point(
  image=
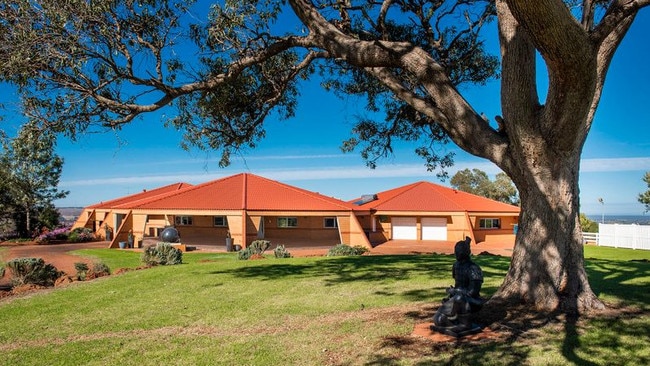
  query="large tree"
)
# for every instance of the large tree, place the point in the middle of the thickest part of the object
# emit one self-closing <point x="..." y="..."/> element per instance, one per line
<point x="30" y="175"/>
<point x="81" y="64"/>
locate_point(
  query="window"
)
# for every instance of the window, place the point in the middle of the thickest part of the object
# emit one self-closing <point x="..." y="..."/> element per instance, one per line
<point x="287" y="222"/>
<point x="183" y="220"/>
<point x="220" y="221"/>
<point x="330" y="223"/>
<point x="489" y="224"/>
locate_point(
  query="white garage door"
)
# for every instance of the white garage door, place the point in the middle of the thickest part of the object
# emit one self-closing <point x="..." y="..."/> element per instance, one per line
<point x="434" y="228"/>
<point x="404" y="228"/>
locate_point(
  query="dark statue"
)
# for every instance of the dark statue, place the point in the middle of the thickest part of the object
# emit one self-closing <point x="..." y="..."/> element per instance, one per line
<point x="463" y="299"/>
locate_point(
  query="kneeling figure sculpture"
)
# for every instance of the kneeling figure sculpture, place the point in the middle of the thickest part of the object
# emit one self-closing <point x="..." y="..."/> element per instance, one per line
<point x="453" y="316"/>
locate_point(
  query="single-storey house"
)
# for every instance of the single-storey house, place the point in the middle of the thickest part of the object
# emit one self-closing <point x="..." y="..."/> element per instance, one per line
<point x="247" y="207"/>
<point x="244" y="207"/>
<point x="427" y="211"/>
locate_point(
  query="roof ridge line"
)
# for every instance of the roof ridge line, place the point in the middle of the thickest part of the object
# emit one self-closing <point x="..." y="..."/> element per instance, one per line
<point x="410" y="187"/>
<point x="316" y="195"/>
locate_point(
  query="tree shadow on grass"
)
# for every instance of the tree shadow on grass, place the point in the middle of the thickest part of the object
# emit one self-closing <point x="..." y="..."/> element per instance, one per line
<point x="627" y="280"/>
<point x="375" y="270"/>
<point x="589" y="339"/>
<point x="336" y="270"/>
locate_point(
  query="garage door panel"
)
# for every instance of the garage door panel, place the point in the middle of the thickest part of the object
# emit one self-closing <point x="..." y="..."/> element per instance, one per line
<point x="404" y="228"/>
<point x="434" y="228"/>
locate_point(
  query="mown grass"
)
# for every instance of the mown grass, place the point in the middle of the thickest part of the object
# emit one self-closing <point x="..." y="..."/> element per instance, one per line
<point x="214" y="309"/>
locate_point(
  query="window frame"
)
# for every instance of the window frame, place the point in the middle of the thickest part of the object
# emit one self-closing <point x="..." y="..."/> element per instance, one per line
<point x="184" y="220"/>
<point x="285" y="222"/>
<point x="482" y="223"/>
<point x="214" y="221"/>
<point x="332" y="219"/>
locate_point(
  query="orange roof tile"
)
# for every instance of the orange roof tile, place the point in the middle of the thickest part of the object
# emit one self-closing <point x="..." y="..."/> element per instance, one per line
<point x="426" y="196"/>
<point x="138" y="197"/>
<point x="244" y="191"/>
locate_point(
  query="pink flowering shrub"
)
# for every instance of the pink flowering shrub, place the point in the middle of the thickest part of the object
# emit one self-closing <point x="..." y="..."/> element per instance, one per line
<point x="77" y="235"/>
<point x="48" y="236"/>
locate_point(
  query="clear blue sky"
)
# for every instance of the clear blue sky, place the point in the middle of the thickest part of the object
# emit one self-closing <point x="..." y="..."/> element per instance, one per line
<point x="304" y="151"/>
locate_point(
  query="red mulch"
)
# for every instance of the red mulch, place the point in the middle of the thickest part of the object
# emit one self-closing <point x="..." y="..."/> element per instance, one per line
<point x="424" y="330"/>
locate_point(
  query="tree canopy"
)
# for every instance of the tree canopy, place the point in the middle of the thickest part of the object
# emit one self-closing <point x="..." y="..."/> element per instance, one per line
<point x="83" y="65"/>
<point x="477" y="182"/>
<point x="29" y="177"/>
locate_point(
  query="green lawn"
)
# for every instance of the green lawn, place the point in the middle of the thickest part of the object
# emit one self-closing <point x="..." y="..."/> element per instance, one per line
<point x="214" y="309"/>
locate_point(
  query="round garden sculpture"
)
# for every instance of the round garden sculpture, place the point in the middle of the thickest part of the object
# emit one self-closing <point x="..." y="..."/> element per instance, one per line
<point x="170" y="235"/>
<point x="463" y="299"/>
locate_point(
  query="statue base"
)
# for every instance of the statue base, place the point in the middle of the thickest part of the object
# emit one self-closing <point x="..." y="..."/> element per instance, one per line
<point x="457" y="331"/>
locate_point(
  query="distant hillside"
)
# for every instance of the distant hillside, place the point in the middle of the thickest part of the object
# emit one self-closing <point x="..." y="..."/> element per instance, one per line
<point x="69" y="214"/>
<point x="70" y="211"/>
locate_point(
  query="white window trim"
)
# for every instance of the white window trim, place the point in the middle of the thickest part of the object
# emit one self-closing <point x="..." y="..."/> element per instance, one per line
<point x="492" y="219"/>
<point x="334" y="219"/>
<point x="225" y="221"/>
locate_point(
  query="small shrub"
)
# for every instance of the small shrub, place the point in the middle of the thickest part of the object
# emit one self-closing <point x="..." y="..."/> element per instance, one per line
<point x="48" y="236"/>
<point x="346" y="250"/>
<point x="82" y="270"/>
<point x="257" y="247"/>
<point x="161" y="254"/>
<point x="245" y="253"/>
<point x="2" y="270"/>
<point x="100" y="269"/>
<point x="260" y="246"/>
<point x="81" y="235"/>
<point x="32" y="271"/>
<point x="281" y="252"/>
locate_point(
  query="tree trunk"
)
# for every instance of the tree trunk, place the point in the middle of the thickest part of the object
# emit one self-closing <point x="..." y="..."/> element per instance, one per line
<point x="547" y="267"/>
<point x="28" y="219"/>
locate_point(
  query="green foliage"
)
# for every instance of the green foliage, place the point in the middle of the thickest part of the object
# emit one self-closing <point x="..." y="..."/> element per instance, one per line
<point x="161" y="254"/>
<point x="346" y="250"/>
<point x="260" y="246"/>
<point x="644" y="197"/>
<point x="281" y="252"/>
<point x="82" y="270"/>
<point x="81" y="234"/>
<point x="257" y="247"/>
<point x="100" y="269"/>
<point x="245" y="254"/>
<point x="477" y="182"/>
<point x="32" y="271"/>
<point x="587" y="225"/>
<point x="31" y="173"/>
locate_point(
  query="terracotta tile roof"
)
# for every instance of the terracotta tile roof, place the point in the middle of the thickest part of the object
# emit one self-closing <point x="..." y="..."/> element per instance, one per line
<point x="244" y="191"/>
<point x="426" y="196"/>
<point x="132" y="199"/>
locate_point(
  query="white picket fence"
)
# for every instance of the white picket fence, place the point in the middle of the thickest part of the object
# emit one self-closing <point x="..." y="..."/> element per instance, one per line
<point x="622" y="236"/>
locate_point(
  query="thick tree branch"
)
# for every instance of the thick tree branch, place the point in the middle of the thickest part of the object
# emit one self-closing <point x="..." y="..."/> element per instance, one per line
<point x="617" y="13"/>
<point x="455" y="115"/>
<point x="571" y="61"/>
<point x="607" y="36"/>
<point x="518" y="71"/>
